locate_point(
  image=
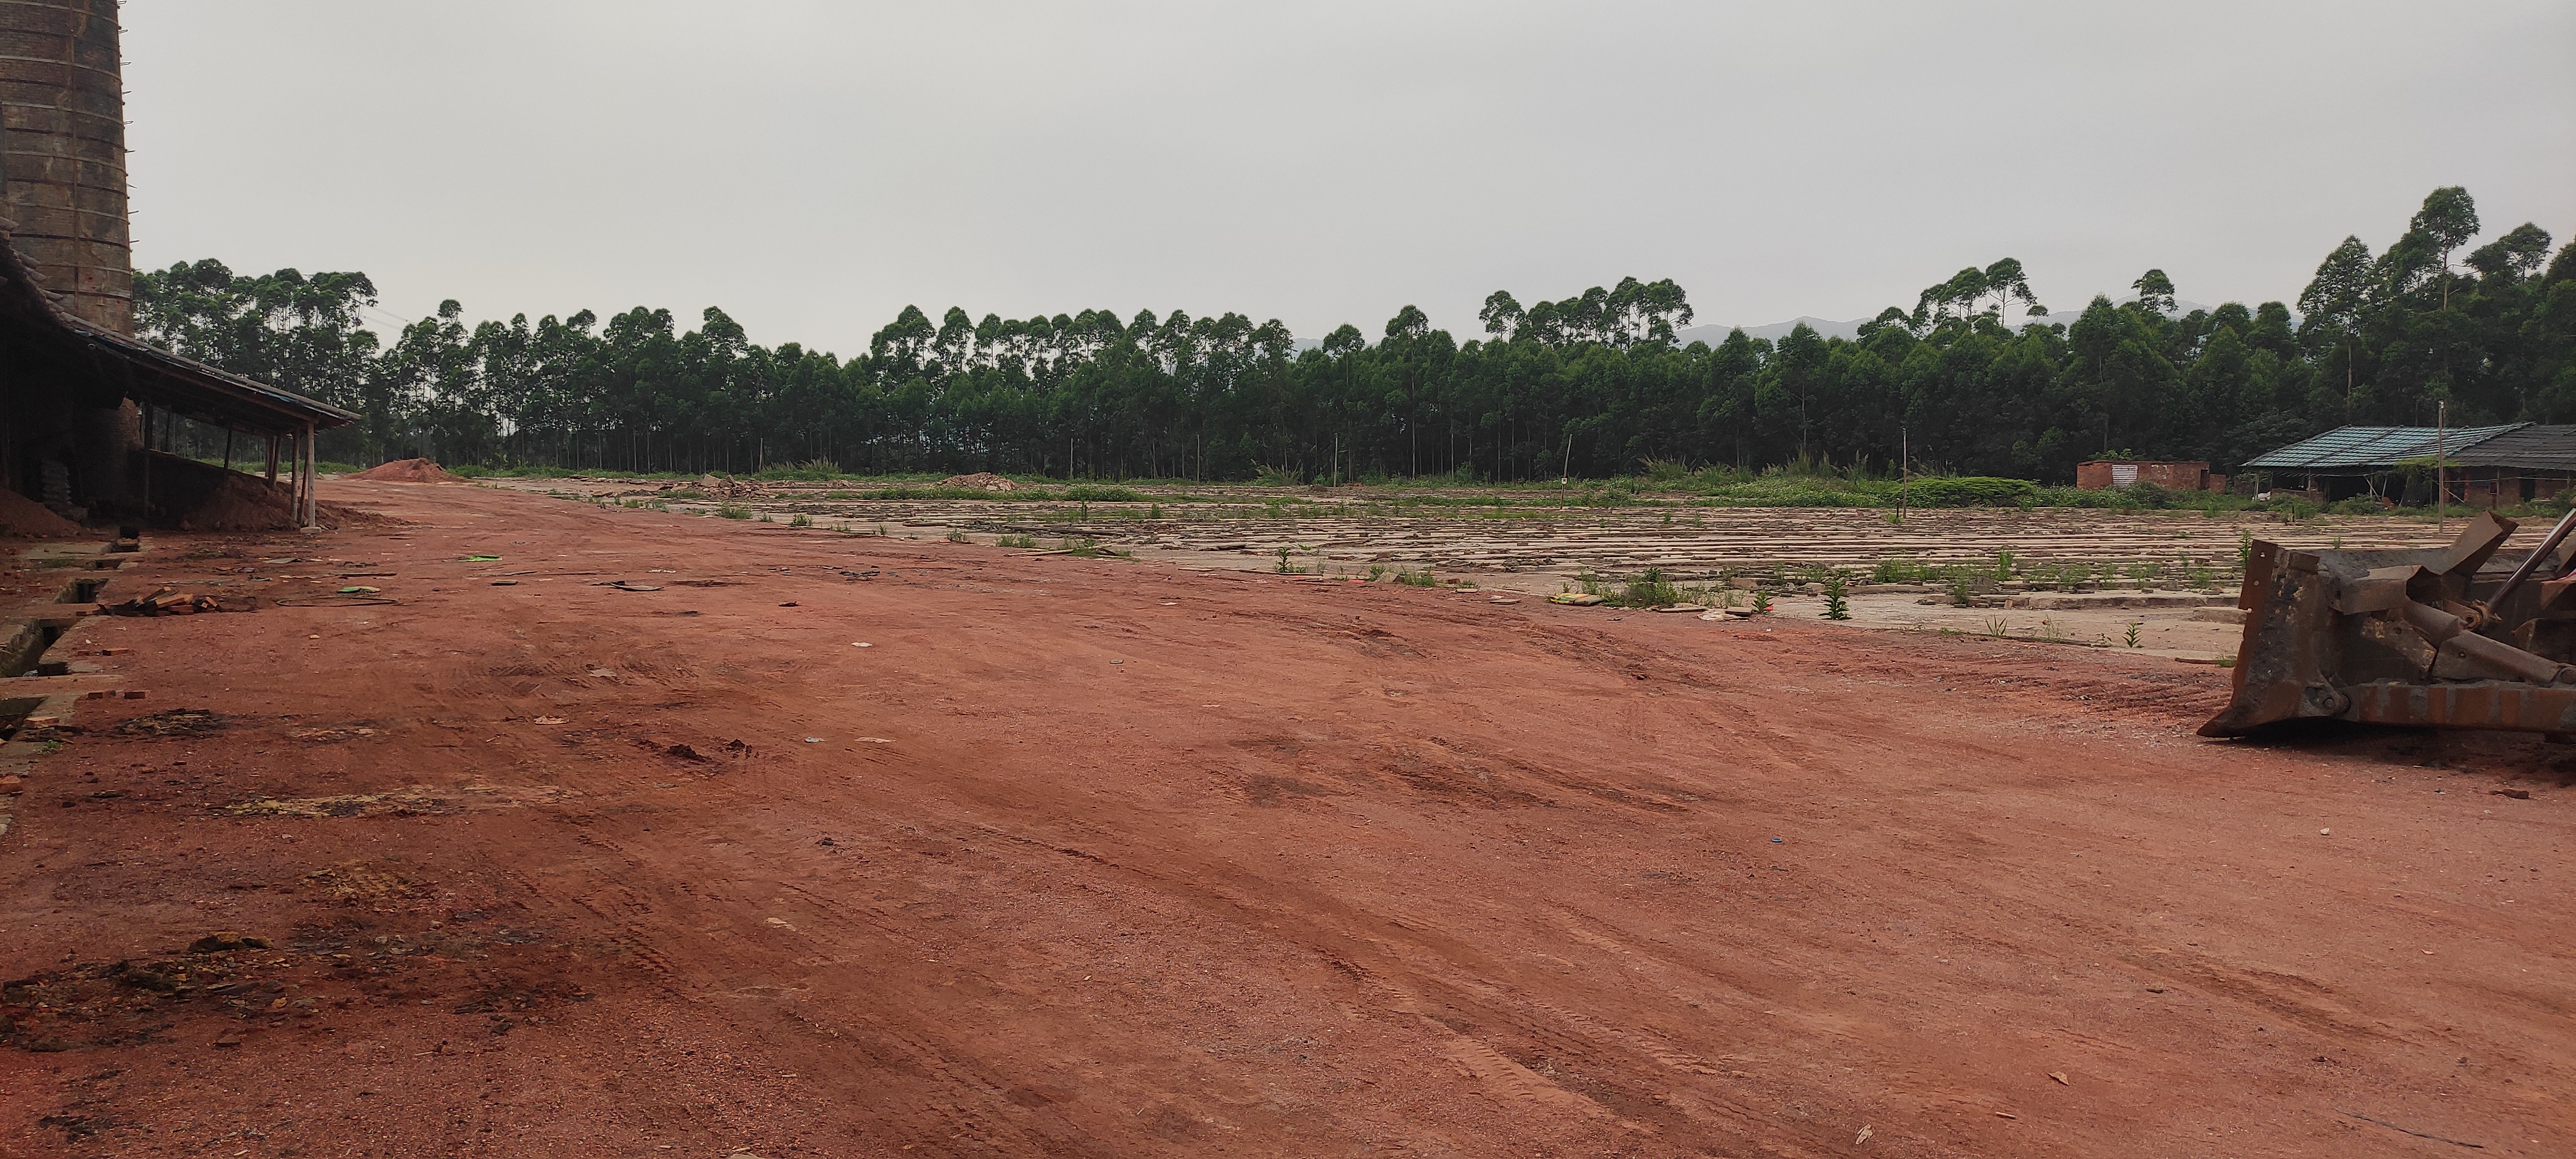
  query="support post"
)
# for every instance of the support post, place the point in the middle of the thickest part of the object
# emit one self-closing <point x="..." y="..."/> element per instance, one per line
<point x="272" y="460"/>
<point x="310" y="462"/>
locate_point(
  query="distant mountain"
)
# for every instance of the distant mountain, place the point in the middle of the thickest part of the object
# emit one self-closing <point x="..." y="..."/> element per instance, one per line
<point x="1774" y="331"/>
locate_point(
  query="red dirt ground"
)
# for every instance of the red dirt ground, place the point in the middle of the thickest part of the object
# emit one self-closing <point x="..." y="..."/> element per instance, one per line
<point x="1088" y="857"/>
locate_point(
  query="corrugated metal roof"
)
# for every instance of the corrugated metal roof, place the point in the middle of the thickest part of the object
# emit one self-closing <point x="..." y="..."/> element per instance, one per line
<point x="2354" y="448"/>
<point x="2531" y="448"/>
<point x="147" y="373"/>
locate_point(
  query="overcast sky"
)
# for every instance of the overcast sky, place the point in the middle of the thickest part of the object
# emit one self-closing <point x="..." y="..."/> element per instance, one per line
<point x="814" y="166"/>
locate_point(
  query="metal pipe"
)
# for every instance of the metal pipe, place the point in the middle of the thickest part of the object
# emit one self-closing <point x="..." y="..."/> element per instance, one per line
<point x="2557" y="535"/>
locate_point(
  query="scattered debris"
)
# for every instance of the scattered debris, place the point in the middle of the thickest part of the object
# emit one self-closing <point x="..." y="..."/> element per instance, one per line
<point x="2060" y="1076"/>
<point x="411" y="801"/>
<point x="627" y="586"/>
<point x="176" y="722"/>
<point x="2516" y="794"/>
<point x="172" y="602"/>
<point x="227" y="940"/>
<point x="980" y="481"/>
<point x="1575" y="599"/>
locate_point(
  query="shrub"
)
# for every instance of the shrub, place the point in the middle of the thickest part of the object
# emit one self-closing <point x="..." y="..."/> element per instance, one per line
<point x="1837" y="603"/>
<point x="1972" y="491"/>
<point x="734" y="511"/>
<point x="1648" y="590"/>
<point x="2148" y="495"/>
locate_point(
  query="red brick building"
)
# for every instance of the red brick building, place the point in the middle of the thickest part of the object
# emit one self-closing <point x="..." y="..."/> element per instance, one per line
<point x="2112" y="474"/>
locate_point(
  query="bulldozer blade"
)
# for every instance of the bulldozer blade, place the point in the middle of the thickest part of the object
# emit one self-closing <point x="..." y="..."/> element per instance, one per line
<point x="2405" y="638"/>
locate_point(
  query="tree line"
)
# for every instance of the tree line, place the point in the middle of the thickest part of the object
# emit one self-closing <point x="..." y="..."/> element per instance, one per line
<point x="1593" y="385"/>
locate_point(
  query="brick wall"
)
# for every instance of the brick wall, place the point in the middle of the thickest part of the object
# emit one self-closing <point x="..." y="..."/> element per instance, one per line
<point x="2104" y="474"/>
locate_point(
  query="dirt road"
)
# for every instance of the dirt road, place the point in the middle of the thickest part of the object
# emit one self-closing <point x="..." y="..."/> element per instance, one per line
<point x="1099" y="857"/>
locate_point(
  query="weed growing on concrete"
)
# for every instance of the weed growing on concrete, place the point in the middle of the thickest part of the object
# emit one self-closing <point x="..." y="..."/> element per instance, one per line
<point x="2131" y="639"/>
<point x="956" y="536"/>
<point x="1376" y="572"/>
<point x="733" y="511"/>
<point x="2050" y="630"/>
<point x="1286" y="568"/>
<point x="1959" y="594"/>
<point x="2227" y="659"/>
<point x="1083" y="548"/>
<point x="1030" y="541"/>
<point x="1995" y="627"/>
<point x="2003" y="565"/>
<point x="1761" y="601"/>
<point x="2244" y="550"/>
<point x="1417" y="579"/>
<point x="1837" y="603"/>
<point x="1897" y="569"/>
<point x="800" y="519"/>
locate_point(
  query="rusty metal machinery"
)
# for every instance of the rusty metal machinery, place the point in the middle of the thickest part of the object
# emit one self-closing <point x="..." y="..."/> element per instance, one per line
<point x="62" y="150"/>
<point x="2467" y="636"/>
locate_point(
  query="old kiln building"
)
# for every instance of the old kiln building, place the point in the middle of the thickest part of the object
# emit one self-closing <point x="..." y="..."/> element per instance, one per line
<point x="2483" y="466"/>
<point x="76" y="388"/>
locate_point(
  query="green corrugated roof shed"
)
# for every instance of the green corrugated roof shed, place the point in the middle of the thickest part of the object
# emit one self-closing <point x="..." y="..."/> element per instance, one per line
<point x="2373" y="448"/>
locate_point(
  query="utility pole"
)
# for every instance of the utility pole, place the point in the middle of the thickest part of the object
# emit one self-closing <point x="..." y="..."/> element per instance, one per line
<point x="1904" y="469"/>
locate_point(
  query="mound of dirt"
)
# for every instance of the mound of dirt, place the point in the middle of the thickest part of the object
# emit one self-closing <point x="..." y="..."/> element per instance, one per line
<point x="980" y="481"/>
<point x="194" y="496"/>
<point x="408" y="471"/>
<point x="20" y="515"/>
